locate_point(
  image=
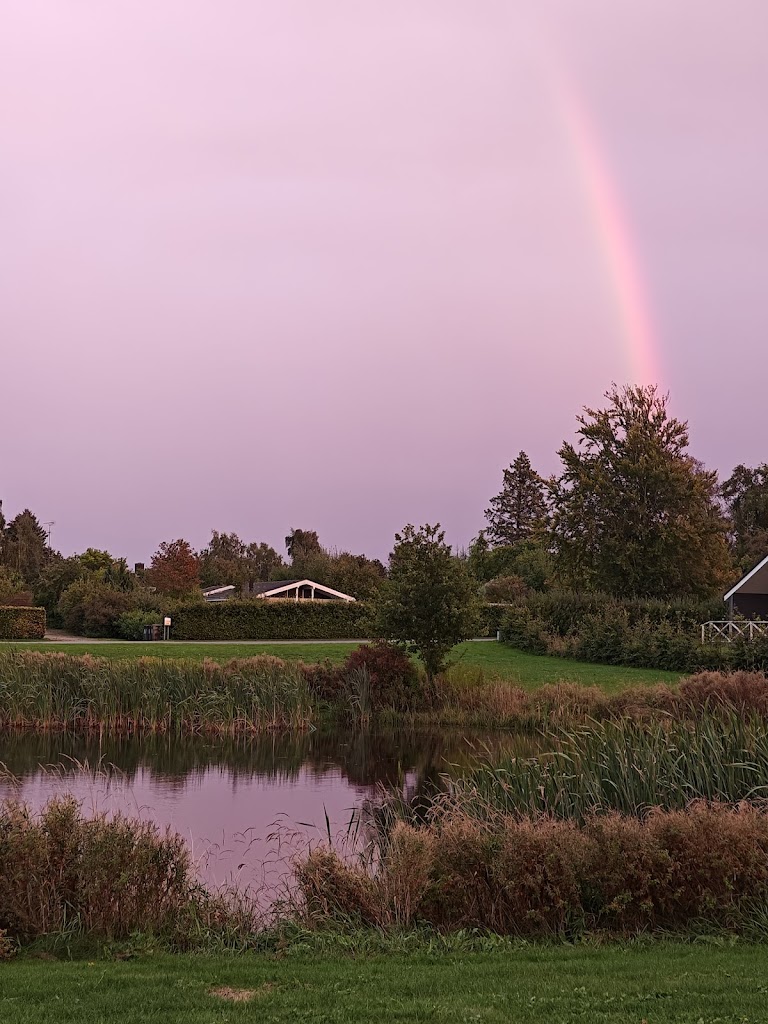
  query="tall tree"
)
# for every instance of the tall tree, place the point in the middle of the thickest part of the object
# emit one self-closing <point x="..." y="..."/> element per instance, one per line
<point x="634" y="513"/>
<point x="174" y="570"/>
<point x="428" y="602"/>
<point x="25" y="546"/>
<point x="745" y="493"/>
<point x="302" y="543"/>
<point x="519" y="510"/>
<point x="227" y="559"/>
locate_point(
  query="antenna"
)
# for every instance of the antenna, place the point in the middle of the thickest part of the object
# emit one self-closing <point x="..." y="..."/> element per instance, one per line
<point x="49" y="525"/>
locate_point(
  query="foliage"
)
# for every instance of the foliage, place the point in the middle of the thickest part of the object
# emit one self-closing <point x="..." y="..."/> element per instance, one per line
<point x="534" y="877"/>
<point x="109" y="876"/>
<point x="174" y="570"/>
<point x="300" y="544"/>
<point x="356" y="575"/>
<point x="57" y="575"/>
<point x="229" y="560"/>
<point x="634" y="513"/>
<point x="519" y="511"/>
<point x="13" y="589"/>
<point x="271" y="620"/>
<point x="649" y="634"/>
<point x="391" y="678"/>
<point x="529" y="560"/>
<point x="504" y="590"/>
<point x="24" y="546"/>
<point x="20" y="623"/>
<point x="428" y="603"/>
<point x="91" y="607"/>
<point x="745" y="493"/>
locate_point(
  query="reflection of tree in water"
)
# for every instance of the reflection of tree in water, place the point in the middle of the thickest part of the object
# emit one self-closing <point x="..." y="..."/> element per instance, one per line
<point x="366" y="758"/>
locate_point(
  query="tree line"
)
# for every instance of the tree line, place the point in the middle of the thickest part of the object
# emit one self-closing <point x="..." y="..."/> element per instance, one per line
<point x="631" y="513"/>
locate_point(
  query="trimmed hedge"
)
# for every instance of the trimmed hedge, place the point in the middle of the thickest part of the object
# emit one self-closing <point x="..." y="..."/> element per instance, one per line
<point x="280" y="620"/>
<point x="271" y="620"/>
<point x="22" y="623"/>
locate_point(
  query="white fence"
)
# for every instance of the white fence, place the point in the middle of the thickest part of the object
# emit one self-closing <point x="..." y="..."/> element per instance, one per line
<point x="728" y="630"/>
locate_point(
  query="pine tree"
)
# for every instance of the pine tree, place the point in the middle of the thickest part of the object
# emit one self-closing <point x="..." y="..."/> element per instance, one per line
<point x="520" y="509"/>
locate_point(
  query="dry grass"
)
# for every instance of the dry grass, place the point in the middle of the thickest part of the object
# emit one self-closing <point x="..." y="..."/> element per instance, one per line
<point x="537" y="877"/>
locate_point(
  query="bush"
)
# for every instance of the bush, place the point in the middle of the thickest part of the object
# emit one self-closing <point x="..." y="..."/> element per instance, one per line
<point x="391" y="679"/>
<point x="130" y="625"/>
<point x="271" y="620"/>
<point x="647" y="634"/>
<point x="542" y="877"/>
<point x="22" y="623"/>
<point x="90" y="607"/>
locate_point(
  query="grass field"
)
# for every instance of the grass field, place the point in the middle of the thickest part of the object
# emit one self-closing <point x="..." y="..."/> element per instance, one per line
<point x="496" y="660"/>
<point x="658" y="983"/>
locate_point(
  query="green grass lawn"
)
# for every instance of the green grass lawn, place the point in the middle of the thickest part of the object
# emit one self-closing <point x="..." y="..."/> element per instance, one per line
<point x="657" y="983"/>
<point x="496" y="660"/>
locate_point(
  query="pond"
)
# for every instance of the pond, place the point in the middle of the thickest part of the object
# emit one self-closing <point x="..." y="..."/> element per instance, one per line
<point x="245" y="806"/>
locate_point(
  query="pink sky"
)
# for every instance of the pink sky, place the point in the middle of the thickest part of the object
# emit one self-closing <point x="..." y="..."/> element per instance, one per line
<point x="332" y="264"/>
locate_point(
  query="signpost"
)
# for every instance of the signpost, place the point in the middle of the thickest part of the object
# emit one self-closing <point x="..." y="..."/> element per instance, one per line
<point x="167" y="627"/>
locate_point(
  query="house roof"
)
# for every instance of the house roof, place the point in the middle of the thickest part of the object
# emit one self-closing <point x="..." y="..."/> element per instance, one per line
<point x="218" y="589"/>
<point x="755" y="582"/>
<point x="265" y="587"/>
<point x="272" y="588"/>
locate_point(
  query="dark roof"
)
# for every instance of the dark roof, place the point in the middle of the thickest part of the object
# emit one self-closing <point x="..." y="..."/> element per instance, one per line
<point x="218" y="586"/>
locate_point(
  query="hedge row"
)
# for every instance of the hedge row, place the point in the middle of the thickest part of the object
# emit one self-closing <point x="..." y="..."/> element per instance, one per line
<point x="614" y="637"/>
<point x="271" y="620"/>
<point x="22" y="623"/>
<point x="564" y="611"/>
<point x="278" y="620"/>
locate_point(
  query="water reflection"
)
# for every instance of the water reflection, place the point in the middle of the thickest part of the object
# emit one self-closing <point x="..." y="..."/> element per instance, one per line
<point x="236" y="800"/>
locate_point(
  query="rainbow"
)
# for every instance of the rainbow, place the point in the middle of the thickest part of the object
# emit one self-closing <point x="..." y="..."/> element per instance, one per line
<point x="615" y="239"/>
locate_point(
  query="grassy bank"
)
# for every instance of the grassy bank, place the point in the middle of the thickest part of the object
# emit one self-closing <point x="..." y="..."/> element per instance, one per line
<point x="660" y="983"/>
<point x="495" y="660"/>
<point x="43" y="690"/>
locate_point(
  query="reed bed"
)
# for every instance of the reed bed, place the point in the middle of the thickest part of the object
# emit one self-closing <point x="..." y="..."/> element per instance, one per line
<point x="60" y="691"/>
<point x="624" y="766"/>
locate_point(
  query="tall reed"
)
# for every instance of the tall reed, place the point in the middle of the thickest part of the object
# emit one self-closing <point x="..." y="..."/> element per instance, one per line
<point x="43" y="690"/>
<point x="625" y="766"/>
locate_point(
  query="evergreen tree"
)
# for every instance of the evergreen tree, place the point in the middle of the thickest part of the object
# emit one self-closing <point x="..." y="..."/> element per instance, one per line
<point x="634" y="513"/>
<point x="25" y="546"/>
<point x="519" y="511"/>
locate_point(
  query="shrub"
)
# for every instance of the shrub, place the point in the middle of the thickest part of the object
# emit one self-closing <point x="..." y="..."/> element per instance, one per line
<point x="394" y="679"/>
<point x="391" y="680"/>
<point x="110" y="876"/>
<point x="22" y="623"/>
<point x="91" y="607"/>
<point x="130" y="625"/>
<point x="648" y="634"/>
<point x="542" y="877"/>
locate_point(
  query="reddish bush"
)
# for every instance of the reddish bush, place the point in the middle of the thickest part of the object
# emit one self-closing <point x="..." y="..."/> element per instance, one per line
<point x="394" y="678"/>
<point x="745" y="691"/>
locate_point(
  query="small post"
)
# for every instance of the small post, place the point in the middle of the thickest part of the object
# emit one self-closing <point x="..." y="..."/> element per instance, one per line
<point x="167" y="627"/>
